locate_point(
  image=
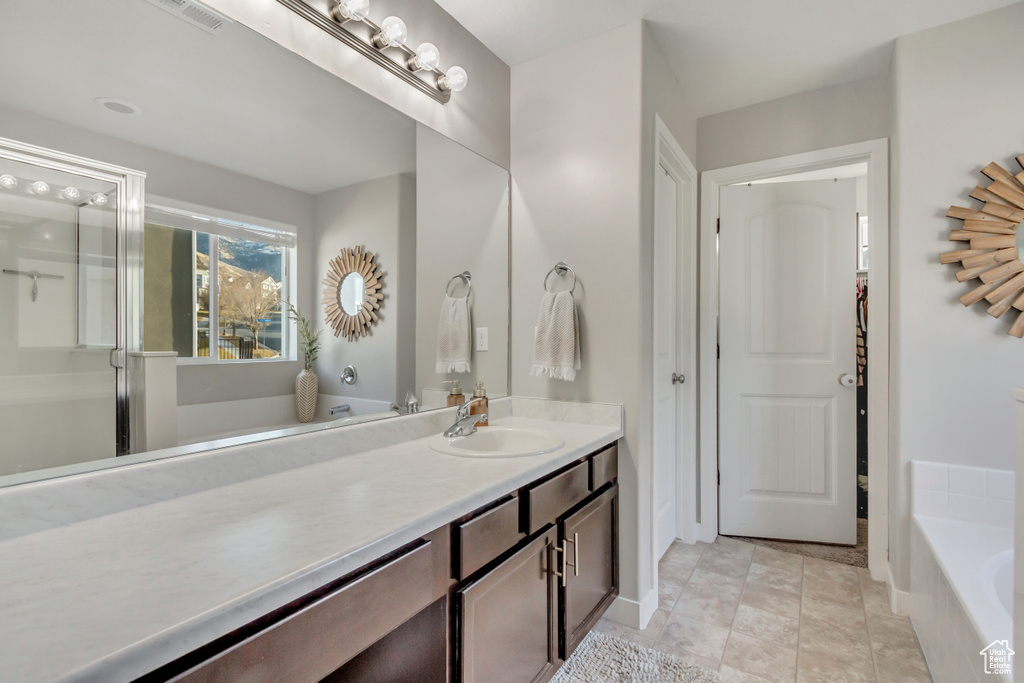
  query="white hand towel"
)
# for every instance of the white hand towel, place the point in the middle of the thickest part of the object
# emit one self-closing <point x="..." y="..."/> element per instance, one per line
<point x="454" y="336"/>
<point x="556" y="348"/>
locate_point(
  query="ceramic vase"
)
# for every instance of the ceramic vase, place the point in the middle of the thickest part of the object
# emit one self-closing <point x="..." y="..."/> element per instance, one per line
<point x="307" y="387"/>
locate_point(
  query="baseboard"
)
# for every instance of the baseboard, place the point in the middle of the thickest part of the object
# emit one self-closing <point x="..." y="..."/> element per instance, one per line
<point x="899" y="601"/>
<point x="633" y="613"/>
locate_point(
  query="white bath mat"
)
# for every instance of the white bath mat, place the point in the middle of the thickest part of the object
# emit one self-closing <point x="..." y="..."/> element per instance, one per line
<point x="601" y="658"/>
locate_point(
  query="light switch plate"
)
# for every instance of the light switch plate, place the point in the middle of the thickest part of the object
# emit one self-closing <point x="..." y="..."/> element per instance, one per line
<point x="481" y="339"/>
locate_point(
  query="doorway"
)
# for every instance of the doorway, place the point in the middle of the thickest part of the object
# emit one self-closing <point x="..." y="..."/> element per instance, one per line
<point x="820" y="503"/>
<point x="674" y="499"/>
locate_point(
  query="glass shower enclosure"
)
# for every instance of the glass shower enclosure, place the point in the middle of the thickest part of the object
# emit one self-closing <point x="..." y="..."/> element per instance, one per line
<point x="68" y="226"/>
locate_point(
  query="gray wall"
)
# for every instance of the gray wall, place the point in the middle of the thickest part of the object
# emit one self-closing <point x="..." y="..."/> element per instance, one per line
<point x="178" y="178"/>
<point x="818" y="119"/>
<point x="478" y="117"/>
<point x="576" y="155"/>
<point x="951" y="368"/>
<point x="379" y="216"/>
<point x="462" y="221"/>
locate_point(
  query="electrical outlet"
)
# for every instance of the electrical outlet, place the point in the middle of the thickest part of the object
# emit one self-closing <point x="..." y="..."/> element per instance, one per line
<point x="481" y="339"/>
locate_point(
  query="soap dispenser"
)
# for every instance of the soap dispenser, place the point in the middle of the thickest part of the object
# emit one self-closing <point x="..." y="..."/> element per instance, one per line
<point x="455" y="395"/>
<point x="480" y="406"/>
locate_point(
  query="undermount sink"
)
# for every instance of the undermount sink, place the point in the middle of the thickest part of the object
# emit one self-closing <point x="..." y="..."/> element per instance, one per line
<point x="498" y="442"/>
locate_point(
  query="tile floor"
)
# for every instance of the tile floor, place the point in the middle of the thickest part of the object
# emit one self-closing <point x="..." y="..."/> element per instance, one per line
<point x="758" y="614"/>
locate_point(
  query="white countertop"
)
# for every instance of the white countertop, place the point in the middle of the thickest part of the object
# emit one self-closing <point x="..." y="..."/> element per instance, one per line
<point x="113" y="597"/>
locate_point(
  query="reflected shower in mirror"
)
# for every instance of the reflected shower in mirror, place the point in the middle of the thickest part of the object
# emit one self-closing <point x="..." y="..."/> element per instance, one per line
<point x="259" y="168"/>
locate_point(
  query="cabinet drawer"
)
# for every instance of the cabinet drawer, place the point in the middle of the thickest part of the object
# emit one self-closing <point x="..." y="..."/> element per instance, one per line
<point x="316" y="640"/>
<point x="545" y="502"/>
<point x="483" y="538"/>
<point x="604" y="467"/>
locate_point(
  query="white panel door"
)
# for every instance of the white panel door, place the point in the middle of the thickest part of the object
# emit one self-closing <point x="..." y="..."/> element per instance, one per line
<point x="665" y="443"/>
<point x="787" y="420"/>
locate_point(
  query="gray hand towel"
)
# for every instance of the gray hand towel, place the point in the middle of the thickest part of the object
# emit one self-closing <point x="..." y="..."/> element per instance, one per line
<point x="454" y="336"/>
<point x="556" y="348"/>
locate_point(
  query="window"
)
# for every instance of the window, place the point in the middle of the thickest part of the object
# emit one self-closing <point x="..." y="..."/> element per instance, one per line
<point x="214" y="288"/>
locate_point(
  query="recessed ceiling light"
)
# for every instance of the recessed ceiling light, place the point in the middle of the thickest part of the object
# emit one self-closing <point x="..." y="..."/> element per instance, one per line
<point x="118" y="106"/>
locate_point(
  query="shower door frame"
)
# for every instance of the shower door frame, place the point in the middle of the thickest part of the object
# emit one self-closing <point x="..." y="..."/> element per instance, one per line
<point x="128" y="209"/>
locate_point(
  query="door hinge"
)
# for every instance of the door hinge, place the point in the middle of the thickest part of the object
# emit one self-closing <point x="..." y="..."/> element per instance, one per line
<point x="118" y="358"/>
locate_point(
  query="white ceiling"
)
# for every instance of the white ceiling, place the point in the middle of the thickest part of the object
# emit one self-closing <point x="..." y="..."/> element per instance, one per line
<point x="232" y="99"/>
<point x="725" y="53"/>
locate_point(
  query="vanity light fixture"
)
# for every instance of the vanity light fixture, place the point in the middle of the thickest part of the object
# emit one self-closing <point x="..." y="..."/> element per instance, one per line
<point x="427" y="57"/>
<point x="8" y="182"/>
<point x="99" y="199"/>
<point x="393" y="33"/>
<point x="70" y="193"/>
<point x="350" y="10"/>
<point x="40" y="188"/>
<point x="454" y="79"/>
<point x="348" y="21"/>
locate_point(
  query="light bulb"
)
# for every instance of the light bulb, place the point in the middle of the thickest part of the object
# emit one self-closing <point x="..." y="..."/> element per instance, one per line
<point x="393" y="32"/>
<point x="98" y="199"/>
<point x="454" y="79"/>
<point x="351" y="10"/>
<point x="71" y="193"/>
<point x="8" y="182"/>
<point x="427" y="57"/>
<point x="39" y="187"/>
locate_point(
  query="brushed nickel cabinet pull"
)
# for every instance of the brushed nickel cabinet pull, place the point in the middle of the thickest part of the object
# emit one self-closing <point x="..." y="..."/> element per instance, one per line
<point x="575" y="564"/>
<point x="561" y="574"/>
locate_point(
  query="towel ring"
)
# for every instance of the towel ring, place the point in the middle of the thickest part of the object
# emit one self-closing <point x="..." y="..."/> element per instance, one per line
<point x="465" y="277"/>
<point x="561" y="268"/>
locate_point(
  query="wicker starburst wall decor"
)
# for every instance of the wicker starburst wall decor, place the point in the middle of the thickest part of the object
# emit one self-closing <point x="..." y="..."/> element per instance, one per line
<point x="357" y="322"/>
<point x="992" y="254"/>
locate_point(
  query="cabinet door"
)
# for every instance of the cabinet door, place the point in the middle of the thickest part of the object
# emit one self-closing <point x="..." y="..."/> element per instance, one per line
<point x="508" y="628"/>
<point x="590" y="542"/>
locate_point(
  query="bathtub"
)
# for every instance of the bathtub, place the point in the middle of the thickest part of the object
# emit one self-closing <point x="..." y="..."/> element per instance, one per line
<point x="203" y="422"/>
<point x="961" y="574"/>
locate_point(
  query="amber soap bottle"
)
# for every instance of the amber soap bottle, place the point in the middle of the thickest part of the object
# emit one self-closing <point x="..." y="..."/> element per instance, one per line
<point x="480" y="406"/>
<point x="455" y="395"/>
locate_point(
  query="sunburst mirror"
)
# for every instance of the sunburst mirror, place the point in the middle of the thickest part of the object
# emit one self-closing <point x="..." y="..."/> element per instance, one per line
<point x="353" y="290"/>
<point x="991" y="235"/>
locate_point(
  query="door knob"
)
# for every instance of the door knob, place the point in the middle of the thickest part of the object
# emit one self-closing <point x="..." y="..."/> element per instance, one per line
<point x="678" y="379"/>
<point x="847" y="380"/>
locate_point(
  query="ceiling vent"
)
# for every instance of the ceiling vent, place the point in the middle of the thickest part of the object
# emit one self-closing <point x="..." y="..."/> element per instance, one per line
<point x="197" y="14"/>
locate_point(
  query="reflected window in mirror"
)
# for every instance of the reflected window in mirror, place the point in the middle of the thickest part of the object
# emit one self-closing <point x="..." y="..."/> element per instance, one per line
<point x="216" y="294"/>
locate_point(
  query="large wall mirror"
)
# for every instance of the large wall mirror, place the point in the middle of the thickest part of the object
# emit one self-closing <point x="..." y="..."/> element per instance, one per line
<point x="259" y="169"/>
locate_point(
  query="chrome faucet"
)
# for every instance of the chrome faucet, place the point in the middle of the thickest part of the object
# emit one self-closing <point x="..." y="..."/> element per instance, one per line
<point x="465" y="424"/>
<point x="343" y="408"/>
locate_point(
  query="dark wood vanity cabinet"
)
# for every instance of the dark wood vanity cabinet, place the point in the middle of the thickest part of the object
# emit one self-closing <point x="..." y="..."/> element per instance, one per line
<point x="590" y="544"/>
<point x="508" y="618"/>
<point x="505" y="593"/>
<point x="518" y="619"/>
